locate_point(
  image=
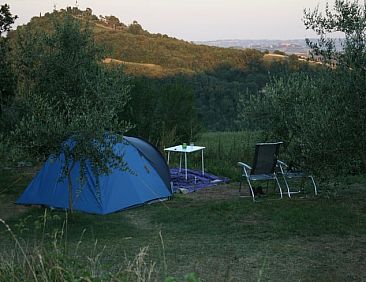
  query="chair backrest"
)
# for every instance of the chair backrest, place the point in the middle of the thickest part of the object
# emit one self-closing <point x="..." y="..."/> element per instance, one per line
<point x="265" y="158"/>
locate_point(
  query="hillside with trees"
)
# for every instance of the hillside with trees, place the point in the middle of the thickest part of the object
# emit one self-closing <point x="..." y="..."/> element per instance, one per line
<point x="215" y="80"/>
<point x="131" y="43"/>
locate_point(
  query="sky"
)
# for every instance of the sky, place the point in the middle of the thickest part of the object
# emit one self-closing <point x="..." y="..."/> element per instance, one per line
<point x="193" y="20"/>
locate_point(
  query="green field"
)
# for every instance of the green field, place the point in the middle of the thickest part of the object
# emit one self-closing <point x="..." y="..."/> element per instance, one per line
<point x="213" y="232"/>
<point x="223" y="151"/>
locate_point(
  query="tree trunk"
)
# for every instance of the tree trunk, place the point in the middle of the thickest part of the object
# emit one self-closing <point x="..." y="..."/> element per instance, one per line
<point x="69" y="186"/>
<point x="70" y="189"/>
<point x="364" y="164"/>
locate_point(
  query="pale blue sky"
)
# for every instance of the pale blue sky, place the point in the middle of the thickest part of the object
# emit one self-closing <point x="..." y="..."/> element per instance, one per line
<point x="193" y="20"/>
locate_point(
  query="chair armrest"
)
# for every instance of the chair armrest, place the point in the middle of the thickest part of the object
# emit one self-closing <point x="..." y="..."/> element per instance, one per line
<point x="246" y="168"/>
<point x="281" y="163"/>
<point x="288" y="168"/>
<point x="244" y="165"/>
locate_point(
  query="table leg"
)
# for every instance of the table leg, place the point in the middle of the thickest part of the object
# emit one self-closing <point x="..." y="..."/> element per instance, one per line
<point x="185" y="163"/>
<point x="168" y="157"/>
<point x="203" y="165"/>
<point x="180" y="162"/>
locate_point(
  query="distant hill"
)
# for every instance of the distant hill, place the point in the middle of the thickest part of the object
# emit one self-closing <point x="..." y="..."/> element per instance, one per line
<point x="291" y="46"/>
<point x="294" y="46"/>
<point x="132" y="44"/>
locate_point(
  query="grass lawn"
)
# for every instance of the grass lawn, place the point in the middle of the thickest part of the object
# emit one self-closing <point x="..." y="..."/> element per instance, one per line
<point x="213" y="232"/>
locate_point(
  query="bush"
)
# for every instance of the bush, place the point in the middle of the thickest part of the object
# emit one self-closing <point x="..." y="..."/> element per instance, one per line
<point x="319" y="118"/>
<point x="322" y="118"/>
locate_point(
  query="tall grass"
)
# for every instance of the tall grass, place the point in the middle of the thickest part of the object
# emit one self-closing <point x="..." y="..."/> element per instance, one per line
<point x="53" y="258"/>
<point x="225" y="149"/>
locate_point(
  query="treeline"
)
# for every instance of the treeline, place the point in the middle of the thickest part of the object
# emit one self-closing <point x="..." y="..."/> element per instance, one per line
<point x="219" y="79"/>
<point x="220" y="96"/>
<point x="180" y="106"/>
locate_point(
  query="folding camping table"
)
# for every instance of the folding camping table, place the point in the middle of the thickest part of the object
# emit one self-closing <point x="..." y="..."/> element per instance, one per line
<point x="187" y="150"/>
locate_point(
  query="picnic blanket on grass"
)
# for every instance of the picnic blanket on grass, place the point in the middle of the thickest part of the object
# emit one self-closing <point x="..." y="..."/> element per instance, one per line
<point x="195" y="180"/>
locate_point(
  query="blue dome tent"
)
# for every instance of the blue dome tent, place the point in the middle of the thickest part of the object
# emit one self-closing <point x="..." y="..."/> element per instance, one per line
<point x="149" y="180"/>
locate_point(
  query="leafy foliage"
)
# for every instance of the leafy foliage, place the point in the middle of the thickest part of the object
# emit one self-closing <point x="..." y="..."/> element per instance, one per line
<point x="6" y="18"/>
<point x="163" y="111"/>
<point x="70" y="102"/>
<point x="321" y="117"/>
<point x="7" y="76"/>
<point x="7" y="79"/>
<point x="347" y="18"/>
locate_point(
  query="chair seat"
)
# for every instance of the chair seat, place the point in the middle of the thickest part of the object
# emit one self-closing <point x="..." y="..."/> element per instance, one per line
<point x="295" y="174"/>
<point x="262" y="177"/>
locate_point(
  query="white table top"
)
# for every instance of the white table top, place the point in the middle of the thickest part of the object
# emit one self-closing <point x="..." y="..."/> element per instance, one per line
<point x="180" y="149"/>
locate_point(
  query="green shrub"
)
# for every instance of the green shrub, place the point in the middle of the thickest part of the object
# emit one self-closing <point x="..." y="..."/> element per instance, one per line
<point x="321" y="118"/>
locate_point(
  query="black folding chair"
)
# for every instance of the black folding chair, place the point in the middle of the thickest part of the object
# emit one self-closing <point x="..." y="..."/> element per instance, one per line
<point x="264" y="165"/>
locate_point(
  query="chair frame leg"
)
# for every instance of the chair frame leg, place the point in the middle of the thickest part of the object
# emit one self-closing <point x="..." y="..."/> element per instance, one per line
<point x="315" y="188"/>
<point x="251" y="190"/>
<point x="287" y="186"/>
<point x="279" y="186"/>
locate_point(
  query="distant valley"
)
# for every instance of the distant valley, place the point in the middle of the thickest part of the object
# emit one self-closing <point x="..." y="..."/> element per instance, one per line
<point x="293" y="46"/>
